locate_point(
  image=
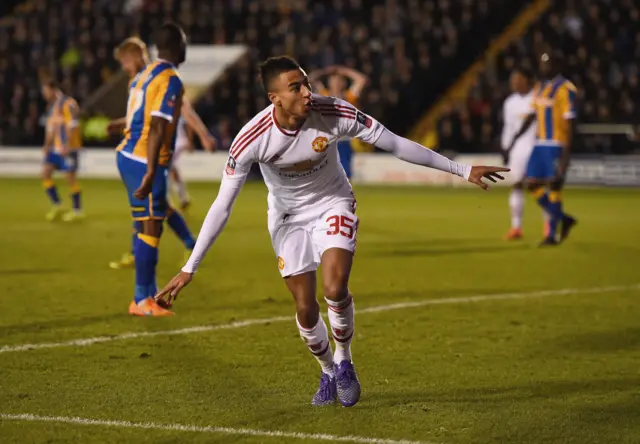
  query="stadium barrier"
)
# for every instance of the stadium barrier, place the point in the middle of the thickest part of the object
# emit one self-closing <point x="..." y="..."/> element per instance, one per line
<point x="369" y="168"/>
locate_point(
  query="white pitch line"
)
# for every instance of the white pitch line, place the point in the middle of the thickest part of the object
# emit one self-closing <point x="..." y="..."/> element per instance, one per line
<point x="204" y="429"/>
<point x="374" y="309"/>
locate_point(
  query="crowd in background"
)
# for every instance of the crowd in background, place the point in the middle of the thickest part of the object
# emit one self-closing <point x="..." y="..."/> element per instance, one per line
<point x="409" y="49"/>
<point x="599" y="42"/>
<point x="399" y="44"/>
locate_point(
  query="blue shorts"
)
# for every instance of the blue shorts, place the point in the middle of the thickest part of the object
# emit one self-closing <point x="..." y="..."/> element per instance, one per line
<point x="68" y="163"/>
<point x="543" y="162"/>
<point x="155" y="206"/>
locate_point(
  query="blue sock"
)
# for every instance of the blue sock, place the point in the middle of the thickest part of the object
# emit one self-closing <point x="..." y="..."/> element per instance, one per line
<point x="75" y="199"/>
<point x="146" y="259"/>
<point x="543" y="200"/>
<point x="555" y="210"/>
<point x="179" y="226"/>
<point x="52" y="192"/>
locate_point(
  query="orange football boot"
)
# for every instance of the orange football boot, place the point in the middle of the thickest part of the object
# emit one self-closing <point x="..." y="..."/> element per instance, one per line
<point x="514" y="234"/>
<point x="148" y="307"/>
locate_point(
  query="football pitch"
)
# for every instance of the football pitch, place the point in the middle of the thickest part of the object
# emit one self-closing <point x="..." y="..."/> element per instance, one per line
<point x="461" y="337"/>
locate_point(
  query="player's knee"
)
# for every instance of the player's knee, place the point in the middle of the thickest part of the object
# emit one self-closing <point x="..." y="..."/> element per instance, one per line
<point x="336" y="291"/>
<point x="152" y="228"/>
<point x="308" y="312"/>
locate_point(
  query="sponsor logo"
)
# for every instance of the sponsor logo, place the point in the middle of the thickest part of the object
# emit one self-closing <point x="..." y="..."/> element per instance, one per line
<point x="171" y="102"/>
<point x="280" y="263"/>
<point x="364" y="119"/>
<point x="231" y="166"/>
<point x="320" y="144"/>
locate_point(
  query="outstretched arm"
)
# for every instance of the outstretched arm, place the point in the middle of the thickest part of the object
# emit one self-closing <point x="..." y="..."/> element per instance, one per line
<point x="212" y="226"/>
<point x="405" y="149"/>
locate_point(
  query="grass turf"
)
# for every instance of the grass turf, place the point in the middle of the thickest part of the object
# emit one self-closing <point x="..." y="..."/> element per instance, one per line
<point x="556" y="369"/>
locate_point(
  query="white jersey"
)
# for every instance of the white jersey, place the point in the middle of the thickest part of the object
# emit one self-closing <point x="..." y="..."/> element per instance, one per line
<point x="515" y="110"/>
<point x="311" y="204"/>
<point x="301" y="168"/>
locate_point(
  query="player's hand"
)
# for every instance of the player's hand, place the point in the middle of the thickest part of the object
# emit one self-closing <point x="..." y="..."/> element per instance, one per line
<point x="145" y="187"/>
<point x="113" y="127"/>
<point x="488" y="172"/>
<point x="64" y="151"/>
<point x="209" y="144"/>
<point x="170" y="292"/>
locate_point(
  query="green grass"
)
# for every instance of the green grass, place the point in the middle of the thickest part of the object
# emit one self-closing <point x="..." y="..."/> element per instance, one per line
<point x="559" y="369"/>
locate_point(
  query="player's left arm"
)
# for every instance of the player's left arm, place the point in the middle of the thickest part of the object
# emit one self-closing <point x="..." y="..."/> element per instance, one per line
<point x="371" y="131"/>
<point x="197" y="125"/>
<point x="569" y="113"/>
<point x="165" y="93"/>
<point x="71" y="119"/>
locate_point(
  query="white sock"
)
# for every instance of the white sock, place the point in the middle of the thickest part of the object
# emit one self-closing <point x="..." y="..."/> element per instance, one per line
<point x="516" y="203"/>
<point x="342" y="320"/>
<point x="317" y="339"/>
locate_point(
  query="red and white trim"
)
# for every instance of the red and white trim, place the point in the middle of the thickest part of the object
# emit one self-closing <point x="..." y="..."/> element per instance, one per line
<point x="331" y="109"/>
<point x="250" y="135"/>
<point x="286" y="132"/>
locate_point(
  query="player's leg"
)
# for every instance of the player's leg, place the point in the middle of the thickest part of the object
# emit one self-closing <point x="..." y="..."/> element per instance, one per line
<point x="314" y="333"/>
<point x="178" y="225"/>
<point x="127" y="260"/>
<point x="179" y="187"/>
<point x="71" y="169"/>
<point x="150" y="212"/>
<point x="48" y="167"/>
<point x="516" y="209"/>
<point x="538" y="174"/>
<point x="297" y="262"/>
<point x="335" y="236"/>
<point x="558" y="216"/>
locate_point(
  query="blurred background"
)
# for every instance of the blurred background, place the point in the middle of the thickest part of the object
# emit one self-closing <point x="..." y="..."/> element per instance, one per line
<point x="437" y="70"/>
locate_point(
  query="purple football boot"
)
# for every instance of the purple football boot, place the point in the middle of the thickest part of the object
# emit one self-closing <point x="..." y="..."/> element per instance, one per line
<point x="347" y="384"/>
<point x="326" y="393"/>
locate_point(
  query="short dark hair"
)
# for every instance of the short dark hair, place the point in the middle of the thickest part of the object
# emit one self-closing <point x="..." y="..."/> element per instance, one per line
<point x="525" y="71"/>
<point x="274" y="66"/>
<point x="168" y="38"/>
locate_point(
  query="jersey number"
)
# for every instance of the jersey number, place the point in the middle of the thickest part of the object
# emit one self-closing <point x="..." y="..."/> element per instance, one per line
<point x="341" y="225"/>
<point x="133" y="105"/>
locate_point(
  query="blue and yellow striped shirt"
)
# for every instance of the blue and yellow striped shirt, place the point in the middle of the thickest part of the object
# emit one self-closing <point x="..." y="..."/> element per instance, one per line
<point x="63" y="123"/>
<point x="156" y="91"/>
<point x="554" y="103"/>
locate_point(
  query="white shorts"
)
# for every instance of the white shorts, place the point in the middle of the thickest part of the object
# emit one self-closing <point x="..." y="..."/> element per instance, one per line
<point x="518" y="159"/>
<point x="299" y="240"/>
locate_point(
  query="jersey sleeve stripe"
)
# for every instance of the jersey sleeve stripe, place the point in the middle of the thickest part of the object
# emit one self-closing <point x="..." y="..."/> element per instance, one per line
<point x="250" y="141"/>
<point x="250" y="136"/>
<point x="263" y="130"/>
<point x="242" y="137"/>
<point x="339" y="114"/>
<point x="332" y="106"/>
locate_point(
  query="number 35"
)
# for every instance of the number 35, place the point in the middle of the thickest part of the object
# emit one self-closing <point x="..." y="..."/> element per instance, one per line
<point x="341" y="225"/>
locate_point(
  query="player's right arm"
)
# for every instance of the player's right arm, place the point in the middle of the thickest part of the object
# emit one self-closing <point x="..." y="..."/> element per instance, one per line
<point x="233" y="178"/>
